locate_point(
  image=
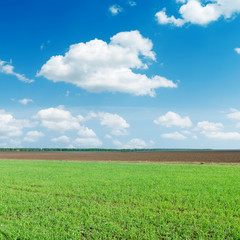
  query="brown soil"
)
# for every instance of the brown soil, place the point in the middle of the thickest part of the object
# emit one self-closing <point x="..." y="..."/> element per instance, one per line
<point x="161" y="157"/>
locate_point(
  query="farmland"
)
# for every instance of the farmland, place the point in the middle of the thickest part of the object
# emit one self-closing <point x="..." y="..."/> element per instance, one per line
<point x="134" y="156"/>
<point x="105" y="200"/>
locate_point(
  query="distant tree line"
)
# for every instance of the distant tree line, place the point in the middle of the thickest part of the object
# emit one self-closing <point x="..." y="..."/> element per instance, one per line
<point x="94" y="150"/>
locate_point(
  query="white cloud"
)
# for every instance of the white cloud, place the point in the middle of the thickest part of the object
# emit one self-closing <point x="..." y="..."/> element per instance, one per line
<point x="134" y="143"/>
<point x="174" y="136"/>
<point x="181" y="1"/>
<point x="237" y="50"/>
<point x="201" y="12"/>
<point x="25" y="101"/>
<point x="117" y="124"/>
<point x="114" y="122"/>
<point x="33" y="136"/>
<point x="11" y="127"/>
<point x="209" y="126"/>
<point x="91" y="142"/>
<point x="97" y="66"/>
<point x="194" y="12"/>
<point x="115" y="9"/>
<point x="86" y="132"/>
<point x="214" y="130"/>
<point x="61" y="139"/>
<point x="132" y="3"/>
<point x="195" y="137"/>
<point x="173" y="119"/>
<point x="57" y="119"/>
<point x="162" y="18"/>
<point x="108" y="136"/>
<point x="7" y="68"/>
<point x="222" y="135"/>
<point x="186" y="132"/>
<point x="234" y="115"/>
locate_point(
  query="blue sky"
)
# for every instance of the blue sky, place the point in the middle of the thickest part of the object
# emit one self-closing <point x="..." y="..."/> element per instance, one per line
<point x="120" y="74"/>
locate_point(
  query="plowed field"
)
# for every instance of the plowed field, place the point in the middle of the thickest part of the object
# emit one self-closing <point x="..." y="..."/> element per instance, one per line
<point x="174" y="156"/>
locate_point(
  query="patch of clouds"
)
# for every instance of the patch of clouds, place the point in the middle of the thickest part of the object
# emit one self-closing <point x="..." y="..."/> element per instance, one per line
<point x="173" y="119"/>
<point x="91" y="142"/>
<point x="213" y="130"/>
<point x="222" y="135"/>
<point x="11" y="127"/>
<point x="209" y="126"/>
<point x="163" y="19"/>
<point x="195" y="137"/>
<point x="57" y="119"/>
<point x="114" y="122"/>
<point x="186" y="132"/>
<point x="33" y="136"/>
<point x="8" y="68"/>
<point x="86" y="132"/>
<point x="135" y="143"/>
<point x="237" y="50"/>
<point x="200" y="12"/>
<point x="117" y="124"/>
<point x="234" y="114"/>
<point x="108" y="136"/>
<point x="98" y="66"/>
<point x="174" y="136"/>
<point x="63" y="139"/>
<point x="115" y="9"/>
<point x="25" y="101"/>
<point x="132" y="3"/>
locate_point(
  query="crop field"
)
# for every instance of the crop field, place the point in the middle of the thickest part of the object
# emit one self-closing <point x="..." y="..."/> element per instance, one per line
<point x="147" y="156"/>
<point x="103" y="200"/>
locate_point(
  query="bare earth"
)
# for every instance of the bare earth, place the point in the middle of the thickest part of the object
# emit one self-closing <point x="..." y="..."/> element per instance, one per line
<point x="160" y="157"/>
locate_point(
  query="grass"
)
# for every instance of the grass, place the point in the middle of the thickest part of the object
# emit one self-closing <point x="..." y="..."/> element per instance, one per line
<point x="80" y="200"/>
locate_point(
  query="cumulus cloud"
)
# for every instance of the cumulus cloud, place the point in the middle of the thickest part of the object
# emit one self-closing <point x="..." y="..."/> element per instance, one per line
<point x="237" y="50"/>
<point x="173" y="119"/>
<point x="209" y="126"/>
<point x="97" y="66"/>
<point x="90" y="142"/>
<point x="222" y="135"/>
<point x="200" y="12"/>
<point x="8" y="68"/>
<point x="162" y="18"/>
<point x="11" y="127"/>
<point x="174" y="135"/>
<point x="57" y="119"/>
<point x="115" y="9"/>
<point x="33" y="136"/>
<point x="213" y="130"/>
<point x="86" y="132"/>
<point x="132" y="3"/>
<point x="114" y="122"/>
<point x="234" y="114"/>
<point x="63" y="138"/>
<point x="134" y="143"/>
<point x="25" y="101"/>
<point x="117" y="124"/>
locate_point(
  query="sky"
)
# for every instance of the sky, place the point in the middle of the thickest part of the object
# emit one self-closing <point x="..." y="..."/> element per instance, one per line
<point x="120" y="74"/>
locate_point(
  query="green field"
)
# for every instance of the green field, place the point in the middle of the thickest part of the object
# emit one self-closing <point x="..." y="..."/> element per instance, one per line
<point x="80" y="200"/>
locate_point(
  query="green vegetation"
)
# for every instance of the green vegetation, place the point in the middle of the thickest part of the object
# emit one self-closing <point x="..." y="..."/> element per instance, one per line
<point x="97" y="150"/>
<point x="79" y="200"/>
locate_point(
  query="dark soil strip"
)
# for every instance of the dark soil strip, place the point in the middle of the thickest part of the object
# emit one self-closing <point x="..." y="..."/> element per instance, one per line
<point x="176" y="156"/>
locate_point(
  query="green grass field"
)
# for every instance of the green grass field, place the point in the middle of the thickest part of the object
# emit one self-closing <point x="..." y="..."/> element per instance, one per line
<point x="79" y="200"/>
